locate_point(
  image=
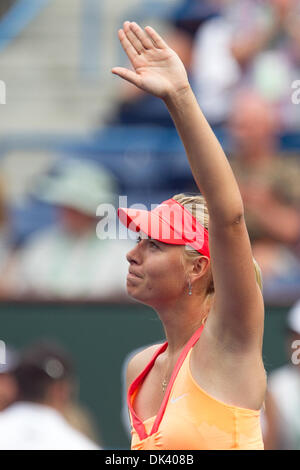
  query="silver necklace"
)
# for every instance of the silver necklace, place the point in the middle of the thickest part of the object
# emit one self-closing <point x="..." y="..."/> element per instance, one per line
<point x="164" y="385"/>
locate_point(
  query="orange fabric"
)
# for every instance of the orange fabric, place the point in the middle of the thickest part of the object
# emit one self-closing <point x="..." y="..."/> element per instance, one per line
<point x="195" y="420"/>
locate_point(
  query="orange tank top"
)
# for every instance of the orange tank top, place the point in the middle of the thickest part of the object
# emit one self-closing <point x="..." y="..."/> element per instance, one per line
<point x="189" y="418"/>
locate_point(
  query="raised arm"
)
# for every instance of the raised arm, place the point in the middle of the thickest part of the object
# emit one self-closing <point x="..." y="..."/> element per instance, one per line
<point x="159" y="71"/>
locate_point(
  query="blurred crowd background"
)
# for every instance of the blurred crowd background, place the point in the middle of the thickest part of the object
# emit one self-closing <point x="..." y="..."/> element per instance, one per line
<point x="73" y="136"/>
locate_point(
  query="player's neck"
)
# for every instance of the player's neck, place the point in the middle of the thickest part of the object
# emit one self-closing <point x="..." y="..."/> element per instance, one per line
<point x="180" y="321"/>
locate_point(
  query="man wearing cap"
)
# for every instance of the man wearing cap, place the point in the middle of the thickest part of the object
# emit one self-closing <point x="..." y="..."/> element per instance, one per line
<point x="44" y="377"/>
<point x="68" y="260"/>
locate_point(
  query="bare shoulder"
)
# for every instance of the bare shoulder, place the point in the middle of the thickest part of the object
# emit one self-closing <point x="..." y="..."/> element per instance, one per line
<point x="139" y="361"/>
<point x="229" y="370"/>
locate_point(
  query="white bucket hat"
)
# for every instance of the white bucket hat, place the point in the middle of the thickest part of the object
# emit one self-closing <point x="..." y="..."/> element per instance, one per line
<point x="82" y="185"/>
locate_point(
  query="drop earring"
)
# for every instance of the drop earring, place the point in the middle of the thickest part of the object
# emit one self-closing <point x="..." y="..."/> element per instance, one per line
<point x="190" y="288"/>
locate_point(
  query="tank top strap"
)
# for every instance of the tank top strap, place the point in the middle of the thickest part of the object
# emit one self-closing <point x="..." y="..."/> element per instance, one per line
<point x="136" y="421"/>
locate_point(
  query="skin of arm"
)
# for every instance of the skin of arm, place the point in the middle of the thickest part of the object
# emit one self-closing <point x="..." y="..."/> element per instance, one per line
<point x="238" y="306"/>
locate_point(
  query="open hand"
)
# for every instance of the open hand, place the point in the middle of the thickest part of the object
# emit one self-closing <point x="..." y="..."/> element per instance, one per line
<point x="157" y="68"/>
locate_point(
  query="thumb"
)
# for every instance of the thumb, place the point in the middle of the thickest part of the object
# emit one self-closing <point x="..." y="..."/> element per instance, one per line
<point x="128" y="75"/>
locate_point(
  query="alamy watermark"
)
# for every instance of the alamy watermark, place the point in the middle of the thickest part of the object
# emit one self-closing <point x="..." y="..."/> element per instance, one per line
<point x="296" y="354"/>
<point x="2" y="352"/>
<point x="296" y="93"/>
<point x="2" y="92"/>
<point x="167" y="222"/>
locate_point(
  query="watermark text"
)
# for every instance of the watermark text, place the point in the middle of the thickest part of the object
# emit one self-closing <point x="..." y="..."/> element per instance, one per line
<point x="2" y="352"/>
<point x="296" y="93"/>
<point x="2" y="92"/>
<point x="167" y="222"/>
<point x="296" y="354"/>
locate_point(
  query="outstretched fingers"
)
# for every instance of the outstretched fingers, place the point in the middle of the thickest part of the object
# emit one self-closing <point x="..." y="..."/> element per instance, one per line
<point x="133" y="38"/>
<point x="127" y="46"/>
<point x="156" y="38"/>
<point x="143" y="37"/>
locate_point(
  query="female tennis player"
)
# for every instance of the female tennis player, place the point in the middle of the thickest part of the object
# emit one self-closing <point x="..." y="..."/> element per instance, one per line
<point x="204" y="387"/>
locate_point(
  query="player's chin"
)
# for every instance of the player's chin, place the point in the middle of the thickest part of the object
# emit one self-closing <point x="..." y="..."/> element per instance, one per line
<point x="132" y="287"/>
<point x="136" y="292"/>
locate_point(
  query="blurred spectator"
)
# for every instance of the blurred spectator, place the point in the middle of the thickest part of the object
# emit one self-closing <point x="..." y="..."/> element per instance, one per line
<point x="80" y="418"/>
<point x="269" y="184"/>
<point x="46" y="382"/>
<point x="243" y="47"/>
<point x="283" y="415"/>
<point x="8" y="384"/>
<point x="68" y="260"/>
<point x="183" y="21"/>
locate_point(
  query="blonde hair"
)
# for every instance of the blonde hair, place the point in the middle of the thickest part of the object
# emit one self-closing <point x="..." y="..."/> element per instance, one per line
<point x="196" y="204"/>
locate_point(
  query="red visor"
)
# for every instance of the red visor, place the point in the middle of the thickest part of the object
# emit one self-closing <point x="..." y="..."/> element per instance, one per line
<point x="170" y="222"/>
